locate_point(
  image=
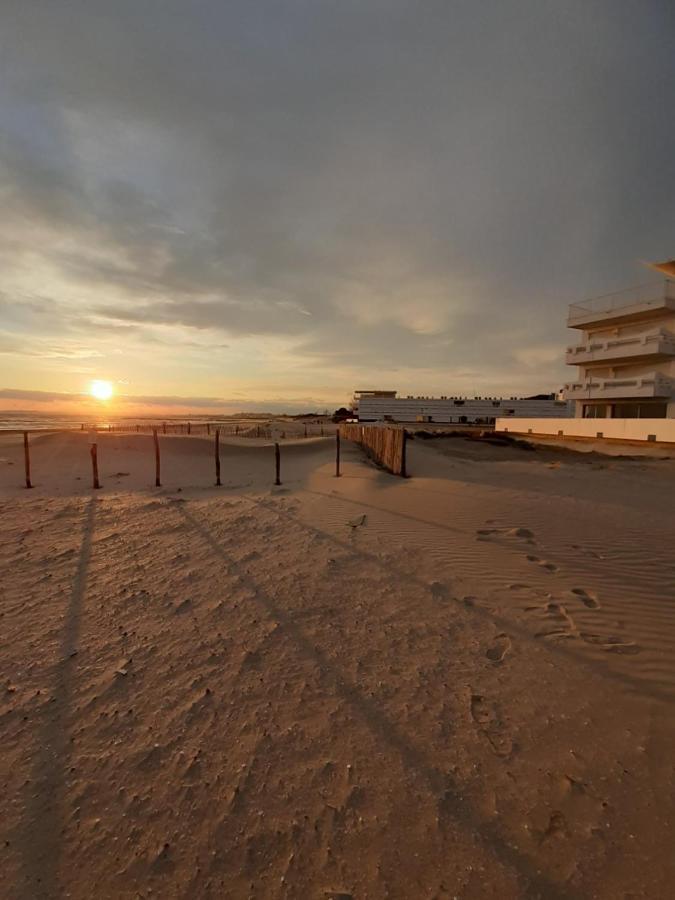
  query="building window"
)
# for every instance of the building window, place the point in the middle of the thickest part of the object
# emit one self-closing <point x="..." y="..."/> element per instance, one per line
<point x="595" y="411"/>
<point x="656" y="410"/>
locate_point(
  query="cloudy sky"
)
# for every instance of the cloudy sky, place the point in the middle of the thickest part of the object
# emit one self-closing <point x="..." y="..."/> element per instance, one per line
<point x="273" y="202"/>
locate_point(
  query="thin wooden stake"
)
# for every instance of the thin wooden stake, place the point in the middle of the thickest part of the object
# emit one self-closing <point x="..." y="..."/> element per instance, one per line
<point x="163" y="428"/>
<point x="189" y="431"/>
<point x="158" y="483"/>
<point x="208" y="428"/>
<point x="404" y="473"/>
<point x="218" y="483"/>
<point x="277" y="460"/>
<point x="26" y="457"/>
<point x="337" y="454"/>
<point x="94" y="465"/>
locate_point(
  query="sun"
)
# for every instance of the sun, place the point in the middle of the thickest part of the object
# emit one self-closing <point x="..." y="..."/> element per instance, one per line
<point x="102" y="390"/>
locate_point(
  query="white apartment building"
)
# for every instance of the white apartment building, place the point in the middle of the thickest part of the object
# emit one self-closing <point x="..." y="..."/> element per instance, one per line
<point x="386" y="406"/>
<point x="626" y="357"/>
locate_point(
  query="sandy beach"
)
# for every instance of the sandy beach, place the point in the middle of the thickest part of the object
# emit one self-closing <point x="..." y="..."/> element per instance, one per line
<point x="457" y="685"/>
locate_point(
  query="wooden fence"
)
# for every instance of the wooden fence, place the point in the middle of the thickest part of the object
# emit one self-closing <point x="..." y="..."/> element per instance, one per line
<point x="268" y="431"/>
<point x="386" y="445"/>
<point x="93" y="453"/>
<point x="186" y="428"/>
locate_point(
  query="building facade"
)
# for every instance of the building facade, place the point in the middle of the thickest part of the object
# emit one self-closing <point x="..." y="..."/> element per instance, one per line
<point x="626" y="358"/>
<point x="386" y="406"/>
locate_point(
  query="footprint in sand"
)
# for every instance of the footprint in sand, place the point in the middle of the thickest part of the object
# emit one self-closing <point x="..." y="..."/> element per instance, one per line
<point x="588" y="598"/>
<point x="611" y="643"/>
<point x="562" y="624"/>
<point x="587" y="551"/>
<point x="487" y="719"/>
<point x="439" y="590"/>
<point x="522" y="534"/>
<point x="500" y="647"/>
<point x="549" y="566"/>
<point x="557" y="827"/>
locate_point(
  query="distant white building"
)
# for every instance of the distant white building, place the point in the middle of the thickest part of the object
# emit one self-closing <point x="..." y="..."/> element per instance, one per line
<point x="383" y="406"/>
<point x="626" y="357"/>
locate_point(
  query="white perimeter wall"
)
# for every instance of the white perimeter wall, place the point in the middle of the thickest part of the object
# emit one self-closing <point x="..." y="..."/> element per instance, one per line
<point x="628" y="429"/>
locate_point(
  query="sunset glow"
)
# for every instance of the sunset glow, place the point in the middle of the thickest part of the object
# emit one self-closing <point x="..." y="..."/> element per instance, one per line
<point x="102" y="390"/>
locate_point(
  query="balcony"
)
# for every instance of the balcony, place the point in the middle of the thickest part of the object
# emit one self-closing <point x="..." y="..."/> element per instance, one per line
<point x="633" y="305"/>
<point x="652" y="384"/>
<point x="651" y="345"/>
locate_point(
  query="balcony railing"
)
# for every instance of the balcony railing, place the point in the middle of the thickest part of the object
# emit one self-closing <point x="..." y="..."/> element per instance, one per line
<point x="652" y="343"/>
<point x="652" y="384"/>
<point x="644" y="295"/>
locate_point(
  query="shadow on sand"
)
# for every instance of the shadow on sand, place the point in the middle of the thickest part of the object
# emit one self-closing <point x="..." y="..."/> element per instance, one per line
<point x="43" y="824"/>
<point x="451" y="805"/>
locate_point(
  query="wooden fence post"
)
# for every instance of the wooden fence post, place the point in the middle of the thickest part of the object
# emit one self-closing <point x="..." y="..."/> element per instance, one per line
<point x="218" y="484"/>
<point x="208" y="428"/>
<point x="404" y="440"/>
<point x="305" y="430"/>
<point x="26" y="458"/>
<point x="189" y="430"/>
<point x="158" y="483"/>
<point x="163" y="428"/>
<point x="337" y="453"/>
<point x="277" y="460"/>
<point x="94" y="465"/>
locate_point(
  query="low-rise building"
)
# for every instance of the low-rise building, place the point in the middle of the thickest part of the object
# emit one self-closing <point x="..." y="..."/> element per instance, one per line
<point x="386" y="406"/>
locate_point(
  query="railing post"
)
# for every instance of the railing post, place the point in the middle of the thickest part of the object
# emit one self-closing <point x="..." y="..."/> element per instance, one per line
<point x="26" y="459"/>
<point x="158" y="482"/>
<point x="217" y="450"/>
<point x="277" y="460"/>
<point x="94" y="465"/>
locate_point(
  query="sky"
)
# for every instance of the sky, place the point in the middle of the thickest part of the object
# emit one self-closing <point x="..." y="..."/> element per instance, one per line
<point x="240" y="205"/>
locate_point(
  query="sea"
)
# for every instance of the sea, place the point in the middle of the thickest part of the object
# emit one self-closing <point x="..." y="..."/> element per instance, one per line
<point x="38" y="421"/>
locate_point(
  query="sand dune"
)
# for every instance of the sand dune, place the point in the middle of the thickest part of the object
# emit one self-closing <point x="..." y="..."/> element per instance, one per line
<point x="455" y="685"/>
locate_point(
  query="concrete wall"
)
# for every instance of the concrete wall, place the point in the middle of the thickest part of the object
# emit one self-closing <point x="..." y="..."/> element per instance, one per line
<point x="621" y="429"/>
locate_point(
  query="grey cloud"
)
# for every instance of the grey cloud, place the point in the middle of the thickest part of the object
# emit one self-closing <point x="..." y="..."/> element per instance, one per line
<point x="36" y="396"/>
<point x="216" y="405"/>
<point x="283" y="164"/>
